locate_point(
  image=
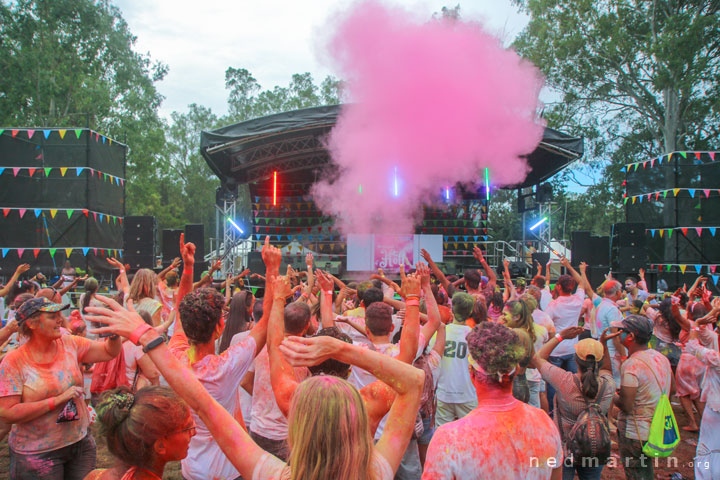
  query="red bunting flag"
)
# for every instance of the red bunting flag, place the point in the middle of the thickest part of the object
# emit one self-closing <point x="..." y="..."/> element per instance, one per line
<point x="6" y="211"/>
<point x="684" y="230"/>
<point x="31" y="171"/>
<point x="14" y="133"/>
<point x="36" y="252"/>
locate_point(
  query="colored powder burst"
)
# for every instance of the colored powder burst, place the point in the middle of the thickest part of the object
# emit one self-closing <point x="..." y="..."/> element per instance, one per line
<point x="437" y="101"/>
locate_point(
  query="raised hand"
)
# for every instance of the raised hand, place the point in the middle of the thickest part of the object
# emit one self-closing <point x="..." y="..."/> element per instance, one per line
<point x="424" y="273"/>
<point x="22" y="268"/>
<point x="187" y="251"/>
<point x="583" y="267"/>
<point x="424" y="253"/>
<point x="115" y="263"/>
<point x="308" y="351"/>
<point x="381" y="272"/>
<point x="477" y="253"/>
<point x="607" y="336"/>
<point x="564" y="261"/>
<point x="176" y="262"/>
<point x="281" y="288"/>
<point x="641" y="273"/>
<point x="571" y="332"/>
<point x="119" y="320"/>
<point x="410" y="286"/>
<point x="506" y="263"/>
<point x="70" y="393"/>
<point x="272" y="256"/>
<point x="243" y="273"/>
<point x="309" y="260"/>
<point x="326" y="283"/>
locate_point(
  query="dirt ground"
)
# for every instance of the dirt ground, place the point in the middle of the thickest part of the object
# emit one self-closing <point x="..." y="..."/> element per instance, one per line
<point x="684" y="453"/>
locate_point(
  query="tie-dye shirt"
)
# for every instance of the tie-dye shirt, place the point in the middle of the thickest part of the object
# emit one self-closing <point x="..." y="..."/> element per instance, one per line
<point x="21" y="375"/>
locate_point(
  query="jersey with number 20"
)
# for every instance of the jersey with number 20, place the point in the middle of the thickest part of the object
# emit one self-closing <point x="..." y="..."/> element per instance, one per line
<point x="455" y="385"/>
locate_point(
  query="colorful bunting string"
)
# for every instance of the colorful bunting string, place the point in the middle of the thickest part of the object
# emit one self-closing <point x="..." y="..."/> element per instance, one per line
<point x="115" y="252"/>
<point x="684" y="230"/>
<point x="62" y="132"/>
<point x="699" y="157"/>
<point x="63" y="170"/>
<point x="68" y="211"/>
<point x="674" y="191"/>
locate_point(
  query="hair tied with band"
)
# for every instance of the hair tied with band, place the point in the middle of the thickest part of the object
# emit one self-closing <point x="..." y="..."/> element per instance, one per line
<point x="116" y="407"/>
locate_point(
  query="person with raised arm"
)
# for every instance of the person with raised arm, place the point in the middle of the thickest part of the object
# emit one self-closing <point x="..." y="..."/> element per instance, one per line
<point x="502" y="437"/>
<point x="41" y="382"/>
<point x="193" y="343"/>
<point x="320" y="448"/>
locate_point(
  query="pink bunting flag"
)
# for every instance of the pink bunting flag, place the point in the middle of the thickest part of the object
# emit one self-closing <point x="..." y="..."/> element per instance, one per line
<point x="707" y="193"/>
<point x="30" y="133"/>
<point x="15" y="171"/>
<point x="39" y="157"/>
<point x="699" y="231"/>
<point x="22" y="212"/>
<point x="712" y="156"/>
<point x="712" y="268"/>
<point x="652" y="162"/>
<point x="20" y="252"/>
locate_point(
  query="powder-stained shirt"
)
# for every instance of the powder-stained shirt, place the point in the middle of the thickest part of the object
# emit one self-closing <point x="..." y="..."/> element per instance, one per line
<point x="267" y="419"/>
<point x="636" y="372"/>
<point x="570" y="400"/>
<point x="270" y="467"/>
<point x="221" y="376"/>
<point x="565" y="312"/>
<point x="514" y="441"/>
<point x="21" y="375"/>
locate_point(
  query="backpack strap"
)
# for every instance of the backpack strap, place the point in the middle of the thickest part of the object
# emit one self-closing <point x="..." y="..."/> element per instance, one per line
<point x="598" y="396"/>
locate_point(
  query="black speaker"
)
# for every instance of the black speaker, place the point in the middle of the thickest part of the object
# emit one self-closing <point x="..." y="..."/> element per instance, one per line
<point x="628" y="235"/>
<point x="541" y="257"/>
<point x="596" y="275"/>
<point x="195" y="233"/>
<point x="599" y="250"/>
<point x="581" y="247"/>
<point x="629" y="259"/>
<point x="139" y="235"/>
<point x="171" y="245"/>
<point x="137" y="262"/>
<point x="255" y="263"/>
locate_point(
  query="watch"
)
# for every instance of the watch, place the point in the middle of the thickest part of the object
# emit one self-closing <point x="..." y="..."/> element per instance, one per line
<point x="154" y="343"/>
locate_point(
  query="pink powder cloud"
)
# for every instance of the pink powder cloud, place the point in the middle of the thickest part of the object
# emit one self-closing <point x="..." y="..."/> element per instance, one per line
<point x="437" y="100"/>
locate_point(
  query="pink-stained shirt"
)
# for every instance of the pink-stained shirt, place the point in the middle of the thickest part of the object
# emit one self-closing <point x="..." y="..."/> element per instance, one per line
<point x="221" y="376"/>
<point x="636" y="372"/>
<point x="267" y="419"/>
<point x="21" y="375"/>
<point x="511" y="440"/>
<point x="565" y="312"/>
<point x="270" y="467"/>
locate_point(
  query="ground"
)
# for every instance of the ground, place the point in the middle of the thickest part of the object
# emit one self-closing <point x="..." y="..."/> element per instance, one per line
<point x="684" y="452"/>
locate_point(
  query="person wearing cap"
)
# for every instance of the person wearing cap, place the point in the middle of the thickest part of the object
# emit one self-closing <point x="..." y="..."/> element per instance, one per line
<point x="592" y="383"/>
<point x="37" y="381"/>
<point x="645" y="376"/>
<point x="607" y="313"/>
<point x="502" y="437"/>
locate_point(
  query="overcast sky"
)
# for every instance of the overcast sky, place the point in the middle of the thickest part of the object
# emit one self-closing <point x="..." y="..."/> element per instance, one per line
<point x="271" y="38"/>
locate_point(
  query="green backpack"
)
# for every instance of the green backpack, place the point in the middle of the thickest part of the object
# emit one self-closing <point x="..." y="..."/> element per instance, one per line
<point x="664" y="433"/>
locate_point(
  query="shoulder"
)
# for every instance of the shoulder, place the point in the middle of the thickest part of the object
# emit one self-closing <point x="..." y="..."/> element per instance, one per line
<point x="269" y="466"/>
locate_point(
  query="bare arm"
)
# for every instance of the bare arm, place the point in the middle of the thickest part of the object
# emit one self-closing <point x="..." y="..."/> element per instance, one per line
<point x="326" y="306"/>
<point x="272" y="256"/>
<point x="22" y="268"/>
<point x="282" y="374"/>
<point x="439" y="346"/>
<point x="433" y="312"/>
<point x="207" y="279"/>
<point x="492" y="278"/>
<point x="149" y="370"/>
<point x="439" y="275"/>
<point x="175" y="263"/>
<point x="12" y="410"/>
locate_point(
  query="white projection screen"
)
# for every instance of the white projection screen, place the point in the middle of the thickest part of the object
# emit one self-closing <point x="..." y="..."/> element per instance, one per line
<point x="367" y="253"/>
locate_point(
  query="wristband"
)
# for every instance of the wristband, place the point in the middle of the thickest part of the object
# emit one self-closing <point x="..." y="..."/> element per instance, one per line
<point x="304" y="295"/>
<point x="412" y="295"/>
<point x="139" y="332"/>
<point x="413" y="302"/>
<point x="51" y="403"/>
<point x="122" y="271"/>
<point x="559" y="337"/>
<point x="154" y="343"/>
<point x="328" y="292"/>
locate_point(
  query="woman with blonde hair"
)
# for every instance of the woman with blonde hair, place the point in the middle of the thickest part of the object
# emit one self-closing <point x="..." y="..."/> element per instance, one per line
<point x="143" y="293"/>
<point x="329" y="435"/>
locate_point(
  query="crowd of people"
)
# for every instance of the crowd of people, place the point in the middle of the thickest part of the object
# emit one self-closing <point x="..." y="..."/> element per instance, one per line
<point x="432" y="377"/>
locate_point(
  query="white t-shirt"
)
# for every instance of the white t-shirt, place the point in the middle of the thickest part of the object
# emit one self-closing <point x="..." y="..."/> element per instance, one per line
<point x="606" y="313"/>
<point x="360" y="378"/>
<point x="271" y="467"/>
<point x="565" y="312"/>
<point x="132" y="353"/>
<point x="267" y="419"/>
<point x="455" y="385"/>
<point x="541" y="336"/>
<point x="545" y="298"/>
<point x="244" y="398"/>
<point x="221" y="376"/>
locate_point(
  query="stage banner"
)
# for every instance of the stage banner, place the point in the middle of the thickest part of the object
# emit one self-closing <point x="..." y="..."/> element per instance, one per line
<point x="390" y="251"/>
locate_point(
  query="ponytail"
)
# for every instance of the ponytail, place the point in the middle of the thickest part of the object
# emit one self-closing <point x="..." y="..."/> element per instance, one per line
<point x="588" y="376"/>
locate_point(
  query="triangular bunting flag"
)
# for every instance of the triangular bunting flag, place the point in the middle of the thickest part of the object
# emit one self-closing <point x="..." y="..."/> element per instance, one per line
<point x="20" y="252"/>
<point x="62" y="133"/>
<point x="95" y="216"/>
<point x="47" y="171"/>
<point x="68" y="252"/>
<point x="661" y="233"/>
<point x="36" y="252"/>
<point x="622" y="169"/>
<point x="652" y="163"/>
<point x="675" y="191"/>
<point x="665" y="194"/>
<point x="22" y="212"/>
<point x="691" y="191"/>
<point x="52" y="252"/>
<point x="712" y="156"/>
<point x="652" y="232"/>
<point x="37" y="212"/>
<point x="85" y="251"/>
<point x="669" y="156"/>
<point x="5" y="251"/>
<point x="78" y="132"/>
<point x="683" y="268"/>
<point x="14" y="133"/>
<point x="46" y="133"/>
<point x="684" y="230"/>
<point x="698" y="268"/>
<point x="2" y="169"/>
<point x="69" y="212"/>
<point x="63" y="170"/>
<point x="684" y="155"/>
<point x="645" y="163"/>
<point x="712" y="268"/>
<point x="6" y="211"/>
<point x="712" y="230"/>
<point x="95" y="251"/>
<point x="634" y="198"/>
<point x="30" y="133"/>
<point x="697" y="155"/>
<point x="15" y="171"/>
<point x="31" y="171"/>
<point x="668" y="267"/>
<point x="707" y="192"/>
<point x="670" y="232"/>
<point x="78" y="170"/>
<point x="715" y="278"/>
<point x="699" y="231"/>
<point x="53" y="212"/>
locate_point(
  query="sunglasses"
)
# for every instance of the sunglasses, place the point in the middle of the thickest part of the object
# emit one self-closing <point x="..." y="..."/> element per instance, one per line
<point x="192" y="429"/>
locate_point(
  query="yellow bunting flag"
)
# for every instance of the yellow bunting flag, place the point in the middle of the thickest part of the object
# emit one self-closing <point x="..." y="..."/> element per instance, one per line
<point x="63" y="170"/>
<point x="53" y="213"/>
<point x="62" y="133"/>
<point x="682" y="268"/>
<point x="68" y="252"/>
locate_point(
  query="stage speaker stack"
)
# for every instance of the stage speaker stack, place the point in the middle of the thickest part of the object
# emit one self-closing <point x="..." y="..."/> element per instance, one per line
<point x="628" y="253"/>
<point x="139" y="242"/>
<point x="195" y="233"/>
<point x="171" y="245"/>
<point x="591" y="249"/>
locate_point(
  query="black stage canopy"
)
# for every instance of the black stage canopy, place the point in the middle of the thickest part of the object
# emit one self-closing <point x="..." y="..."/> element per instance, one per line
<point x="294" y="141"/>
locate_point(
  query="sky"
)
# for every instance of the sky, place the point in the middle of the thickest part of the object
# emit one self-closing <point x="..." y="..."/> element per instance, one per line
<point x="273" y="39"/>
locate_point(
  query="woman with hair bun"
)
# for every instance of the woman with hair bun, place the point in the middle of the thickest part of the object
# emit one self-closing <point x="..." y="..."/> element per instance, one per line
<point x="593" y="383"/>
<point x="144" y="431"/>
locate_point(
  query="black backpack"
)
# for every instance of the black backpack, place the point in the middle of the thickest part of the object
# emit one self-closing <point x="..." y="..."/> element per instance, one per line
<point x="589" y="438"/>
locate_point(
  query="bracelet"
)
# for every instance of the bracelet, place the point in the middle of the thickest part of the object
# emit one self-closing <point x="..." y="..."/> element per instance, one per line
<point x="122" y="271"/>
<point x="304" y="295"/>
<point x="154" y="343"/>
<point x="414" y="302"/>
<point x="328" y="292"/>
<point x="51" y="403"/>
<point x="139" y="332"/>
<point x="559" y="337"/>
<point x="412" y="295"/>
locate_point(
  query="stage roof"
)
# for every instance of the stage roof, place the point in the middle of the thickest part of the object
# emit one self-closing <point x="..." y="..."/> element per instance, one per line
<point x="294" y="142"/>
